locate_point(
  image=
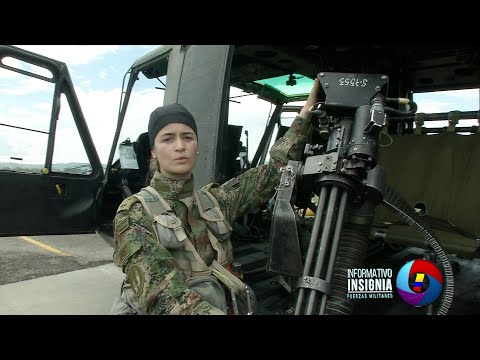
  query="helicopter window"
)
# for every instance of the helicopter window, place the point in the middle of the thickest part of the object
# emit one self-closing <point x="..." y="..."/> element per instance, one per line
<point x="26" y="103"/>
<point x="69" y="154"/>
<point x="148" y="91"/>
<point x="453" y="110"/>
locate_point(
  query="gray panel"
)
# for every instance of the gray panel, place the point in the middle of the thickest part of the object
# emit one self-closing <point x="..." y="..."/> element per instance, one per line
<point x="201" y="86"/>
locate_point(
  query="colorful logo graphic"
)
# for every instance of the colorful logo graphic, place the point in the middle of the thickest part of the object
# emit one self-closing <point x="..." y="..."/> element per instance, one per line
<point x="419" y="282"/>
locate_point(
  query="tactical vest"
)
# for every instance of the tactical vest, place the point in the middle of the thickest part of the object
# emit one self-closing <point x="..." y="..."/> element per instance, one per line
<point x="171" y="234"/>
<point x="195" y="272"/>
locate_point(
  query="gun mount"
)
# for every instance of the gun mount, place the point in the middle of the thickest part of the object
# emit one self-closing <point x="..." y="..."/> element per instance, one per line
<point x="343" y="172"/>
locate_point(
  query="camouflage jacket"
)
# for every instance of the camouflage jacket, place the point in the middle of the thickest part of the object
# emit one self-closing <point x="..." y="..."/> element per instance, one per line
<point x="150" y="268"/>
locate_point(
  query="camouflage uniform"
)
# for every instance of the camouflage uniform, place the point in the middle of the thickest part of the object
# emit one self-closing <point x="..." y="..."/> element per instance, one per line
<point x="150" y="268"/>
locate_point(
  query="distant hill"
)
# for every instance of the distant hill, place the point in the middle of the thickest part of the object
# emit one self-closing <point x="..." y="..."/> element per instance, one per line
<point x="70" y="168"/>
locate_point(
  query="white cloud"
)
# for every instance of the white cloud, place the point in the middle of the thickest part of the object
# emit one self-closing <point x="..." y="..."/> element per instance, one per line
<point x="432" y="107"/>
<point x="445" y="101"/>
<point x="73" y="54"/>
<point x="103" y="74"/>
<point x="22" y="85"/>
<point x="253" y="115"/>
<point x="100" y="109"/>
<point x="26" y="145"/>
<point x="465" y="95"/>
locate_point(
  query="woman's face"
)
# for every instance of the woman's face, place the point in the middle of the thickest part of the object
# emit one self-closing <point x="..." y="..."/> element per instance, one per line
<point x="175" y="148"/>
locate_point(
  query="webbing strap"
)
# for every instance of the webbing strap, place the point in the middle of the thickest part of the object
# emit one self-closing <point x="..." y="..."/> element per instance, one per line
<point x="142" y="200"/>
<point x="216" y="269"/>
<point x="218" y="218"/>
<point x="155" y="193"/>
<point x="227" y="278"/>
<point x="221" y="254"/>
<point x="213" y="202"/>
<point x="191" y="248"/>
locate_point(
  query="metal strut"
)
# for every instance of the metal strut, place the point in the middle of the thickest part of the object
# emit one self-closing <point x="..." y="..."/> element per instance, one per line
<point x="313" y="283"/>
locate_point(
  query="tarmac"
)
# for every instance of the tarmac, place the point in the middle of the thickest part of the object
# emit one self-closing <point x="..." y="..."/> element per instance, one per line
<point x="75" y="283"/>
<point x="82" y="292"/>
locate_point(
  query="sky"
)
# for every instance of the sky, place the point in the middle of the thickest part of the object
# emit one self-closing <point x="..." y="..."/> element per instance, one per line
<point x="98" y="72"/>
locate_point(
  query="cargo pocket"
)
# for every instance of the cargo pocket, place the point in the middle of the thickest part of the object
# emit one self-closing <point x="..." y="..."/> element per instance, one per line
<point x="217" y="224"/>
<point x="170" y="232"/>
<point x="209" y="290"/>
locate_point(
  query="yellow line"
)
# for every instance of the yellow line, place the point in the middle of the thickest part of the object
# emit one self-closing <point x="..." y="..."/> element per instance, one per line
<point x="44" y="246"/>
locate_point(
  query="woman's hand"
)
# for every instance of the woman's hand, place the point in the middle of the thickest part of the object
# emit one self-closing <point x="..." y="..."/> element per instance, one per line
<point x="311" y="100"/>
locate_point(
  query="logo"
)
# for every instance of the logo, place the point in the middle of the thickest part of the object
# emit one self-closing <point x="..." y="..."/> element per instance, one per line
<point x="369" y="284"/>
<point x="419" y="282"/>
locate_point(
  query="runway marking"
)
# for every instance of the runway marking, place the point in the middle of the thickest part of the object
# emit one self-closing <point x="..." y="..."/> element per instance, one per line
<point x="44" y="246"/>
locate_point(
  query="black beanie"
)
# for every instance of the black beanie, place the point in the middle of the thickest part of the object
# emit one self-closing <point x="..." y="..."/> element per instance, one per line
<point x="168" y="114"/>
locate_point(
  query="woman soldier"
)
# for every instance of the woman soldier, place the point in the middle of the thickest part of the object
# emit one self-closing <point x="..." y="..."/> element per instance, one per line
<point x="173" y="242"/>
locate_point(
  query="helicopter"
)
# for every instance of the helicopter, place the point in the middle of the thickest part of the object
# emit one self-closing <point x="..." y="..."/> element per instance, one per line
<point x="429" y="171"/>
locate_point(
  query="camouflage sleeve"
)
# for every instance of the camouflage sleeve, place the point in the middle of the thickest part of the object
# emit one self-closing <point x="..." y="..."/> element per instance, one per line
<point x="150" y="268"/>
<point x="257" y="185"/>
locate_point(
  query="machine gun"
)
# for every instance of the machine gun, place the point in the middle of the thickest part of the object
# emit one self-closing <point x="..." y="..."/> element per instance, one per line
<point x="341" y="169"/>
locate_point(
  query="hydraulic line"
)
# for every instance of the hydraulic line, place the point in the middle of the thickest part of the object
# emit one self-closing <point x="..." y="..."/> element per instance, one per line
<point x="397" y="203"/>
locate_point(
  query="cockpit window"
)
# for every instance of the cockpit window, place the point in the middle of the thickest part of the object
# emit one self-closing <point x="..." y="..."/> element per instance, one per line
<point x="453" y="110"/>
<point x="291" y="86"/>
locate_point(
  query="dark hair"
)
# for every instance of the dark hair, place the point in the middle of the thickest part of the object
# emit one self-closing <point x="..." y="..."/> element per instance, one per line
<point x="153" y="165"/>
<point x="168" y="114"/>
